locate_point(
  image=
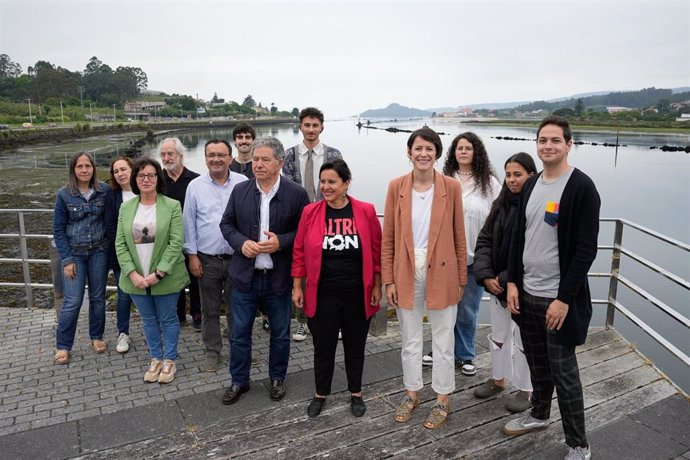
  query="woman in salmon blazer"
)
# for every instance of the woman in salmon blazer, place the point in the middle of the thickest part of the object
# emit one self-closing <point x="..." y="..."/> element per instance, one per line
<point x="424" y="269"/>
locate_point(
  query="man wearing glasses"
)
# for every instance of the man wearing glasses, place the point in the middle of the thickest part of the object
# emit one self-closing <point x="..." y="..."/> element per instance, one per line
<point x="177" y="178"/>
<point x="209" y="254"/>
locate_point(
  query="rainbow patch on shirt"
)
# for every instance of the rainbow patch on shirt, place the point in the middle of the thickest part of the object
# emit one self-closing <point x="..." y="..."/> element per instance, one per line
<point x="551" y="213"/>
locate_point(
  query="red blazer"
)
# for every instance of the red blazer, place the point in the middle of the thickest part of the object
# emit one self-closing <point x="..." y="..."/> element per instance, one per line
<point x="306" y="250"/>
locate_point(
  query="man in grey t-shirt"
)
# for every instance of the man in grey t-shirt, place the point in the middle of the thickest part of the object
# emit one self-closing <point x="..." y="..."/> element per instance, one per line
<point x="552" y="248"/>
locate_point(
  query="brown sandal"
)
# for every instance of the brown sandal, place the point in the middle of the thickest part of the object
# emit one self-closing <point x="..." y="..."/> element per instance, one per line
<point x="61" y="357"/>
<point x="99" y="346"/>
<point x="438" y="415"/>
<point x="404" y="411"/>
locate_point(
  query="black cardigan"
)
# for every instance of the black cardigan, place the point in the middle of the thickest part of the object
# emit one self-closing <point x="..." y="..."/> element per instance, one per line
<point x="578" y="229"/>
<point x="486" y="252"/>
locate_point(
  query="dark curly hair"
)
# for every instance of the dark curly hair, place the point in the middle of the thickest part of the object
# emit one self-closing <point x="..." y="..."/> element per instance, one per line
<point x="481" y="166"/>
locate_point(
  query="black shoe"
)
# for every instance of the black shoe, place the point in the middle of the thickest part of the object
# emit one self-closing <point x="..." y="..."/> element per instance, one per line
<point x="196" y="323"/>
<point x="233" y="393"/>
<point x="315" y="406"/>
<point x="357" y="406"/>
<point x="277" y="390"/>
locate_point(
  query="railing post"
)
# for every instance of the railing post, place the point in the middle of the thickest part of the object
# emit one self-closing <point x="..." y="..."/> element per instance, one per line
<point x="615" y="268"/>
<point x="378" y="326"/>
<point x="56" y="275"/>
<point x="24" y="251"/>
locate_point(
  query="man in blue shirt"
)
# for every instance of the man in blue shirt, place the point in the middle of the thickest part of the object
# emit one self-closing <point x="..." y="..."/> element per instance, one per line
<point x="209" y="254"/>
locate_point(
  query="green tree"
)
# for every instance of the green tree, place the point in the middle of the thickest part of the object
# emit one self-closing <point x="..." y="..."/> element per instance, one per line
<point x="294" y="112"/>
<point x="249" y="102"/>
<point x="663" y="106"/>
<point x="579" y="107"/>
<point x="8" y="68"/>
<point x="565" y="112"/>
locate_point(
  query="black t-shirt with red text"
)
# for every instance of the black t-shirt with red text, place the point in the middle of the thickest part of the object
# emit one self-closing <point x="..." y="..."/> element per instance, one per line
<point x="341" y="259"/>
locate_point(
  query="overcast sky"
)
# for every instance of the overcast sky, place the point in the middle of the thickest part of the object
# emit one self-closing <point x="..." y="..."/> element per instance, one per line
<point x="346" y="57"/>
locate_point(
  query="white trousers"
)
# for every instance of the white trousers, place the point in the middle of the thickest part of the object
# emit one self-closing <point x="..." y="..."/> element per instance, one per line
<point x="508" y="360"/>
<point x="442" y="337"/>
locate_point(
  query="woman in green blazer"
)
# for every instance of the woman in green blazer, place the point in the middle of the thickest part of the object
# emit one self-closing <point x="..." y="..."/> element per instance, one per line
<point x="149" y="249"/>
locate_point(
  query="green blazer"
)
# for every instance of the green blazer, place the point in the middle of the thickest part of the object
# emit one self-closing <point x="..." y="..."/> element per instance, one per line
<point x="167" y="248"/>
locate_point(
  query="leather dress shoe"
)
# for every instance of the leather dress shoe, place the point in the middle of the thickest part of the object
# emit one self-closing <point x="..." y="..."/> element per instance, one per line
<point x="357" y="406"/>
<point x="315" y="406"/>
<point x="233" y="393"/>
<point x="277" y="390"/>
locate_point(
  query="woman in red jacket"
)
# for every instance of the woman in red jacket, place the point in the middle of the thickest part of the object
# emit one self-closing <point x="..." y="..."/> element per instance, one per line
<point x="337" y="251"/>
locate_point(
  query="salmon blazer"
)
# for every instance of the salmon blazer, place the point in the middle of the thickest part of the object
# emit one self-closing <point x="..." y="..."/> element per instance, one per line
<point x="446" y="251"/>
<point x="167" y="248"/>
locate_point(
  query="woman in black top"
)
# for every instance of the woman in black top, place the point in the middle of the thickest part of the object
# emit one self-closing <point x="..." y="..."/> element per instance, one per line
<point x="490" y="270"/>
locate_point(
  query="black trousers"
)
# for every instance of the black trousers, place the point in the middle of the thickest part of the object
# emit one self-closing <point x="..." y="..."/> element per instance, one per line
<point x="194" y="299"/>
<point x="552" y="365"/>
<point x="339" y="311"/>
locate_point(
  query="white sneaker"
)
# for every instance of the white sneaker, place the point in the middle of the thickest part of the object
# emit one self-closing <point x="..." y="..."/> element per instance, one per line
<point x="123" y="343"/>
<point x="428" y="359"/>
<point x="579" y="453"/>
<point x="301" y="333"/>
<point x="525" y="424"/>
<point x="340" y="335"/>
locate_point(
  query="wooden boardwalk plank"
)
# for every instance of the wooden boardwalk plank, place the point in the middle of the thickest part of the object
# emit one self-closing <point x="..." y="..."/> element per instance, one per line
<point x="617" y="382"/>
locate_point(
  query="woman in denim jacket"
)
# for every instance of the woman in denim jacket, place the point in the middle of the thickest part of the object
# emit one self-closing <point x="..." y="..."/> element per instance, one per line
<point x="81" y="240"/>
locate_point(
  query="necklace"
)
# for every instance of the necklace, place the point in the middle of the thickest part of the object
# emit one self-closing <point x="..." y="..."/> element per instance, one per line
<point x="422" y="195"/>
<point x="463" y="173"/>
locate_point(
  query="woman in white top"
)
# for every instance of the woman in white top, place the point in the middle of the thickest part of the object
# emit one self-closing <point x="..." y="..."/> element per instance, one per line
<point x="149" y="250"/>
<point x="468" y="162"/>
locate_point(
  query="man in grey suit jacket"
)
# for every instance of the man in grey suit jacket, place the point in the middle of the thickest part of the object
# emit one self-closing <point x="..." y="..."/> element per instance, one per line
<point x="302" y="164"/>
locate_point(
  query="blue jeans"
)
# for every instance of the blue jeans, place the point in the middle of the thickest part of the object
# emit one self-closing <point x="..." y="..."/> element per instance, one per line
<point x="466" y="322"/>
<point x="244" y="305"/>
<point x="124" y="304"/>
<point x="94" y="269"/>
<point x="159" y="314"/>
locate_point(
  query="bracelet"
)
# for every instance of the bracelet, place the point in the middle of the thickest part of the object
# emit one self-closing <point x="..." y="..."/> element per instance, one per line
<point x="158" y="275"/>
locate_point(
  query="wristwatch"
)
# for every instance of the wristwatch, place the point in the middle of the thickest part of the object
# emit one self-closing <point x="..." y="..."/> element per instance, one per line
<point x="158" y="275"/>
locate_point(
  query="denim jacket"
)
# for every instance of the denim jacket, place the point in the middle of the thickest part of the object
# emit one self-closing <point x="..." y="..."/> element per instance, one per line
<point x="78" y="224"/>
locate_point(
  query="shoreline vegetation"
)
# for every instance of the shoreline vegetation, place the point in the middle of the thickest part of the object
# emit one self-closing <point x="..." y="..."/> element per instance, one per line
<point x="16" y="138"/>
<point x="632" y="127"/>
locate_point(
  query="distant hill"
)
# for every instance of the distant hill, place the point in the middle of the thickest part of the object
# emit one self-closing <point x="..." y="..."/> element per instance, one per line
<point x="396" y="111"/>
<point x="633" y="99"/>
<point x="568" y="101"/>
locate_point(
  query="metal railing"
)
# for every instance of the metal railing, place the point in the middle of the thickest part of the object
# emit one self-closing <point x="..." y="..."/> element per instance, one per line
<point x="615" y="278"/>
<point x="612" y="303"/>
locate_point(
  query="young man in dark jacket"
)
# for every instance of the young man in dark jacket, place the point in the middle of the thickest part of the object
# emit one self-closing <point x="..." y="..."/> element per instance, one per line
<point x="554" y="244"/>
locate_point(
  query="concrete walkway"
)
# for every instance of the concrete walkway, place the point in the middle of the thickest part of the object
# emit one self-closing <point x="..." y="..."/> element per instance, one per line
<point x="99" y="407"/>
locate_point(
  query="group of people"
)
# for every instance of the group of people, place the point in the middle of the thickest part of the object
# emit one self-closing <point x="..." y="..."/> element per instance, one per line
<point x="277" y="231"/>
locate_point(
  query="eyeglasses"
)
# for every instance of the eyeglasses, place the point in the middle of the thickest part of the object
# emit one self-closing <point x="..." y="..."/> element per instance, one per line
<point x="142" y="176"/>
<point x="220" y="156"/>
